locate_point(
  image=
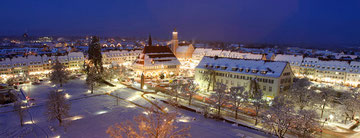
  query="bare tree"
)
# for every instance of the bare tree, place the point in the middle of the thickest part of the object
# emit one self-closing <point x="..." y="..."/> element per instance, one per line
<point x="57" y="106"/>
<point x="238" y="97"/>
<point x="109" y="74"/>
<point x="176" y="87"/>
<point x="349" y="105"/>
<point x="123" y="72"/>
<point x="280" y="117"/>
<point x="20" y="111"/>
<point x="59" y="75"/>
<point x="301" y="94"/>
<point x="190" y="90"/>
<point x="155" y="124"/>
<point x="258" y="102"/>
<point x="307" y="122"/>
<point x="325" y="97"/>
<point x="209" y="76"/>
<point x="11" y="81"/>
<point x="219" y="97"/>
<point x="206" y="111"/>
<point x="92" y="79"/>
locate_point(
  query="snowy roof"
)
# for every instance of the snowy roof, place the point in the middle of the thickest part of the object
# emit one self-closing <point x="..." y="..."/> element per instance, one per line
<point x="269" y="55"/>
<point x="243" y="66"/>
<point x="182" y="49"/>
<point x="294" y="60"/>
<point x="311" y="60"/>
<point x="202" y="51"/>
<point x="225" y="53"/>
<point x="213" y="53"/>
<point x="339" y="56"/>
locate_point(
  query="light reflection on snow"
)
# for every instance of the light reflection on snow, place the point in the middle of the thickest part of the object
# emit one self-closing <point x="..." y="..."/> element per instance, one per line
<point x="132" y="98"/>
<point x="56" y="137"/>
<point x="146" y="113"/>
<point x="67" y="96"/>
<point x="101" y="112"/>
<point x="184" y="119"/>
<point x="29" y="122"/>
<point x="130" y="106"/>
<point x="74" y="118"/>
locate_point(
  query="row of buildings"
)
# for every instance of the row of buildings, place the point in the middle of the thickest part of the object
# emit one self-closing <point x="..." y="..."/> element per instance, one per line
<point x="337" y="71"/>
<point x="33" y="65"/>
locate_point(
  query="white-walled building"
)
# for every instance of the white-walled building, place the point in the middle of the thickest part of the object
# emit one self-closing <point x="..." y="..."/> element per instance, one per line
<point x="273" y="77"/>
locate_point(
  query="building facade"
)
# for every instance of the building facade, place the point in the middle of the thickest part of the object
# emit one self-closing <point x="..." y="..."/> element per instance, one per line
<point x="156" y="60"/>
<point x="272" y="77"/>
<point x="38" y="65"/>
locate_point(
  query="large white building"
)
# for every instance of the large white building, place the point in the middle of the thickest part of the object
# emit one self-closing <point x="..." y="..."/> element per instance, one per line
<point x="156" y="60"/>
<point x="273" y="77"/>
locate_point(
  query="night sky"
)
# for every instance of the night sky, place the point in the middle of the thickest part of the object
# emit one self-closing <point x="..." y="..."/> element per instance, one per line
<point x="278" y="21"/>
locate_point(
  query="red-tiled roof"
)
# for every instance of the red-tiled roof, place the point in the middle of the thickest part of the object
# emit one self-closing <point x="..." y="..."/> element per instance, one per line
<point x="156" y="49"/>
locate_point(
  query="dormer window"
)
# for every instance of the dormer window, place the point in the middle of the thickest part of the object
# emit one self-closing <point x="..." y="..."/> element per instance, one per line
<point x="206" y="66"/>
<point x="223" y="67"/>
<point x="234" y="69"/>
<point x="217" y="67"/>
<point x="241" y="69"/>
<point x="247" y="70"/>
<point x="254" y="71"/>
<point x="263" y="72"/>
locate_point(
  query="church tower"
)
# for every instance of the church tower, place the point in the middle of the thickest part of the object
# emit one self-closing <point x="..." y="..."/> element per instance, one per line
<point x="175" y="41"/>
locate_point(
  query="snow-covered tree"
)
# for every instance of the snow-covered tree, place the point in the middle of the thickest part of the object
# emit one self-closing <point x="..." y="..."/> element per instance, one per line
<point x="190" y="89"/>
<point x="325" y="97"/>
<point x="59" y="75"/>
<point x="11" y="81"/>
<point x="109" y="74"/>
<point x="206" y="111"/>
<point x="219" y="97"/>
<point x="209" y="77"/>
<point x="19" y="111"/>
<point x="349" y="104"/>
<point x="57" y="107"/>
<point x="280" y="117"/>
<point x="176" y="87"/>
<point x="94" y="54"/>
<point x="92" y="78"/>
<point x="155" y="124"/>
<point x="307" y="122"/>
<point x="258" y="102"/>
<point x="123" y="72"/>
<point x="300" y="93"/>
<point x="238" y="97"/>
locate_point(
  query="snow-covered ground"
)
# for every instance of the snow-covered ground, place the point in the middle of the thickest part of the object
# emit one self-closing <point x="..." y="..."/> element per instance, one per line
<point x="92" y="114"/>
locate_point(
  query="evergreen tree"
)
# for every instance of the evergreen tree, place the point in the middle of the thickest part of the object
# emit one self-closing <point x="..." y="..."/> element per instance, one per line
<point x="92" y="78"/>
<point x="94" y="54"/>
